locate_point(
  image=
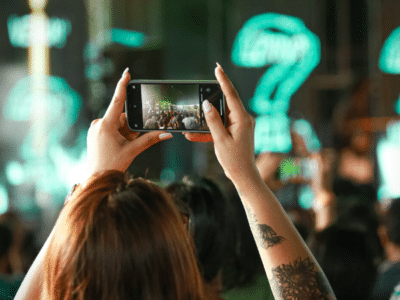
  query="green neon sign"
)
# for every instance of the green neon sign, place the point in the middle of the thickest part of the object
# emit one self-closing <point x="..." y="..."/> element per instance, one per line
<point x="290" y="51"/>
<point x="287" y="47"/>
<point x="19" y="31"/>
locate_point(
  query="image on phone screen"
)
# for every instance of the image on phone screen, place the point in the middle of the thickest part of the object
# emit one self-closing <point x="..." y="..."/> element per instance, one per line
<point x="171" y="106"/>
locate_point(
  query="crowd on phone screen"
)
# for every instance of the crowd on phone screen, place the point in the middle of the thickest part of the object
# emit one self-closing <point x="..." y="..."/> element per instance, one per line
<point x="177" y="120"/>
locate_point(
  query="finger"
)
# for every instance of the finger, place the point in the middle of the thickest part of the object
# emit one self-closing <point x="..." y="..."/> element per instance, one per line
<point x="232" y="97"/>
<point x="214" y="122"/>
<point x="117" y="103"/>
<point x="94" y="122"/>
<point x="147" y="140"/>
<point x="198" y="137"/>
<point x="93" y="125"/>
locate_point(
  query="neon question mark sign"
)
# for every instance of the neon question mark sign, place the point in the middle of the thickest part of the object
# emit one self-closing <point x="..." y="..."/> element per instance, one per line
<point x="291" y="50"/>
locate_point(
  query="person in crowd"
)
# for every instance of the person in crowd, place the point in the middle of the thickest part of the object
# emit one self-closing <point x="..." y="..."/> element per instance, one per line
<point x="123" y="238"/>
<point x="212" y="224"/>
<point x="9" y="283"/>
<point x="389" y="234"/>
<point x="345" y="252"/>
<point x="189" y="121"/>
<point x="18" y="230"/>
<point x="151" y="123"/>
<point x="5" y="244"/>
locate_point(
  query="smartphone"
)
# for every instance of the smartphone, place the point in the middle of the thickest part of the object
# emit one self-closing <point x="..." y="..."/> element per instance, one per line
<point x="171" y="105"/>
<point x="291" y="167"/>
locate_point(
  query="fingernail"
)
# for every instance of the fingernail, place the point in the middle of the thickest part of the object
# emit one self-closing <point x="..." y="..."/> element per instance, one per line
<point x="165" y="135"/>
<point x="219" y="66"/>
<point x="206" y="106"/>
<point x="125" y="71"/>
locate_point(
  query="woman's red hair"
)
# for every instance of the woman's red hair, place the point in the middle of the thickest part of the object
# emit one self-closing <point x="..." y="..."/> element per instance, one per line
<point x="121" y="238"/>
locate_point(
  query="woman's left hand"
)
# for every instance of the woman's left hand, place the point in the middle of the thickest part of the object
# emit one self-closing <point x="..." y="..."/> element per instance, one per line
<point x="111" y="145"/>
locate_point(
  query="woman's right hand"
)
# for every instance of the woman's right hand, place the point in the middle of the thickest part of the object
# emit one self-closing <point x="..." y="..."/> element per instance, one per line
<point x="234" y="145"/>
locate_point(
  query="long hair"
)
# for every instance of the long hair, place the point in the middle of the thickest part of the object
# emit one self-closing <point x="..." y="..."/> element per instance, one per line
<point x="120" y="238"/>
<point x="213" y="220"/>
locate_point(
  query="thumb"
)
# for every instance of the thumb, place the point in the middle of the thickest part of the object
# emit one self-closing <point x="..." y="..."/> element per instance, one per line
<point x="145" y="141"/>
<point x="214" y="122"/>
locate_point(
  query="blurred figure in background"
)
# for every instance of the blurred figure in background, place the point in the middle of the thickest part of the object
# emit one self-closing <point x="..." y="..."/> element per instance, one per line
<point x="5" y="279"/>
<point x="346" y="254"/>
<point x="212" y="223"/>
<point x="389" y="234"/>
<point x="355" y="173"/>
<point x="12" y="259"/>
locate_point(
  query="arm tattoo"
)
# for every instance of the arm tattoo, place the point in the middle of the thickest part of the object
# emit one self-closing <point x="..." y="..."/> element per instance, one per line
<point x="264" y="235"/>
<point x="299" y="280"/>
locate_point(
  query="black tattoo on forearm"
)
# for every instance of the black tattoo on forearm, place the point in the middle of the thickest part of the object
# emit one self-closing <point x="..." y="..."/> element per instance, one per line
<point x="299" y="281"/>
<point x="264" y="235"/>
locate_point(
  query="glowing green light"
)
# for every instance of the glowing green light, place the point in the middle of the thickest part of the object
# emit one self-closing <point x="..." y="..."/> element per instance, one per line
<point x="19" y="31"/>
<point x="59" y="167"/>
<point x="306" y="197"/>
<point x="127" y="38"/>
<point x="387" y="150"/>
<point x="389" y="60"/>
<point x="272" y="134"/>
<point x="284" y="43"/>
<point x="3" y="199"/>
<point x="397" y="106"/>
<point x="15" y="173"/>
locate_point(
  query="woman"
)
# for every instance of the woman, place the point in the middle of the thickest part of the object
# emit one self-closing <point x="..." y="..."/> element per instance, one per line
<point x="289" y="264"/>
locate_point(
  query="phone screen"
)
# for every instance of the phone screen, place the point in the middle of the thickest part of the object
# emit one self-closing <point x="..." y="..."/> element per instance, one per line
<point x="171" y="105"/>
<point x="291" y="167"/>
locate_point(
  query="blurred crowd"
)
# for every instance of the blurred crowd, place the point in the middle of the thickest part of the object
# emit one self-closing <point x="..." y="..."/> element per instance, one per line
<point x="177" y="120"/>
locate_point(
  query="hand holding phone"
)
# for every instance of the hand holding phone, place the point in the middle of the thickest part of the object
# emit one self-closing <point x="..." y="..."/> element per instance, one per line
<point x="110" y="145"/>
<point x="171" y="105"/>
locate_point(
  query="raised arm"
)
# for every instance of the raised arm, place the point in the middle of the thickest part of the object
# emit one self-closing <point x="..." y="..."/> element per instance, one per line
<point x="111" y="146"/>
<point x="291" y="268"/>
